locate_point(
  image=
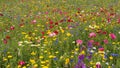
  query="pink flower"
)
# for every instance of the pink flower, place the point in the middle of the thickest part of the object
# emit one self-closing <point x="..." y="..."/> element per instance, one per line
<point x="92" y="34"/>
<point x="52" y="34"/>
<point x="5" y="41"/>
<point x="79" y="42"/>
<point x="112" y="35"/>
<point x="105" y="41"/>
<point x="101" y="49"/>
<point x="21" y="63"/>
<point x="118" y="20"/>
<point x="34" y="21"/>
<point x="98" y="65"/>
<point x="91" y="41"/>
<point x="12" y="28"/>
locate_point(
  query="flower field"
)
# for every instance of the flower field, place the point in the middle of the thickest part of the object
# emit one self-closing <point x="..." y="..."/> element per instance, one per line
<point x="59" y="34"/>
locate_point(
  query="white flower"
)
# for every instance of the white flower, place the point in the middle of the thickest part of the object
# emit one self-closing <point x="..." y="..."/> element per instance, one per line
<point x="119" y="32"/>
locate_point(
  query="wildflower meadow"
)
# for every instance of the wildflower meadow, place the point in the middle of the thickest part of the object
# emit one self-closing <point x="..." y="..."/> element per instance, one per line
<point x="59" y="33"/>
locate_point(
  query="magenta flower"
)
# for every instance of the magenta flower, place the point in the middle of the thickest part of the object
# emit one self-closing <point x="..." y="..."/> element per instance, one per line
<point x="101" y="49"/>
<point x="112" y="35"/>
<point x="79" y="42"/>
<point x="21" y="63"/>
<point x="92" y="34"/>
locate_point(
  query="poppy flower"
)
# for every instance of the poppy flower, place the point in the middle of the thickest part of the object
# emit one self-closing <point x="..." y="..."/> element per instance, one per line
<point x="51" y="22"/>
<point x="56" y="23"/>
<point x="56" y="32"/>
<point x="43" y="33"/>
<point x="7" y="37"/>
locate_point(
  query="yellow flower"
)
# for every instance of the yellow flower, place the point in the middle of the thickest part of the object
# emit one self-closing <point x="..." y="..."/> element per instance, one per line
<point x="45" y="51"/>
<point x="33" y="34"/>
<point x="111" y="57"/>
<point x="24" y="67"/>
<point x="47" y="22"/>
<point x="33" y="53"/>
<point x="45" y="67"/>
<point x="48" y="32"/>
<point x="9" y="56"/>
<point x="113" y="43"/>
<point x="46" y="61"/>
<point x="42" y="62"/>
<point x="83" y="52"/>
<point x="67" y="61"/>
<point x="8" y="66"/>
<point x="4" y="59"/>
<point x="68" y="34"/>
<point x="61" y="57"/>
<point x="101" y="52"/>
<point x="35" y="65"/>
<point x="26" y="36"/>
<point x="32" y="61"/>
<point x="72" y="56"/>
<point x="8" y="52"/>
<point x="62" y="31"/>
<point x="19" y="66"/>
<point x="51" y="56"/>
<point x="23" y="33"/>
<point x="56" y="52"/>
<point x="109" y="66"/>
<point x="28" y="65"/>
<point x="92" y="63"/>
<point x="38" y="25"/>
<point x="41" y="57"/>
<point x="76" y="49"/>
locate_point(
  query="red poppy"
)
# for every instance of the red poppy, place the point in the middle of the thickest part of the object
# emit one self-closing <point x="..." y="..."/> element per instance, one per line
<point x="51" y="22"/>
<point x="56" y="32"/>
<point x="7" y="37"/>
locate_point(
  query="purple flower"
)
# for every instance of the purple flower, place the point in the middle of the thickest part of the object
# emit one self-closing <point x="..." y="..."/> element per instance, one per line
<point x="80" y="65"/>
<point x="89" y="44"/>
<point x="81" y="57"/>
<point x="89" y="57"/>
